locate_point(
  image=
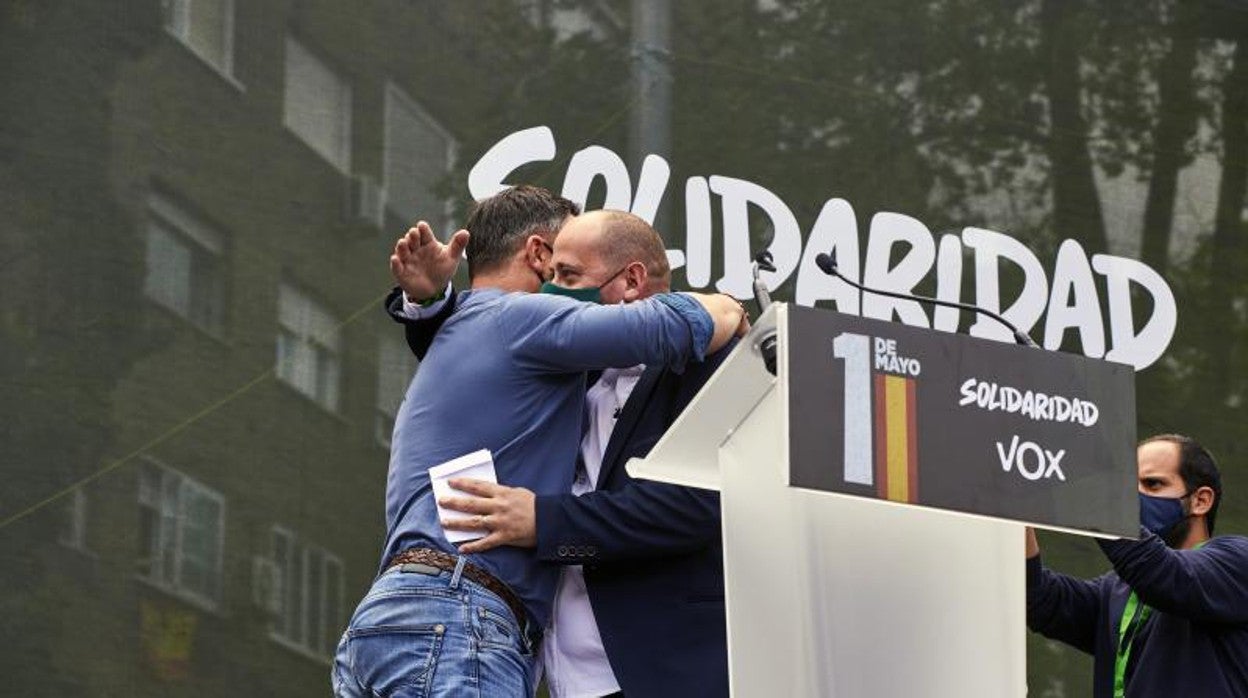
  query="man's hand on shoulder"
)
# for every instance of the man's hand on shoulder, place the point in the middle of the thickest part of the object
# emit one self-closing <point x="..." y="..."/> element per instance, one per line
<point x="507" y="514"/>
<point x="423" y="266"/>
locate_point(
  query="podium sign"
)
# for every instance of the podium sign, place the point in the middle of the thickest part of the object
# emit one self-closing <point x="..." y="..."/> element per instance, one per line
<point x="830" y="589"/>
<point x="888" y="411"/>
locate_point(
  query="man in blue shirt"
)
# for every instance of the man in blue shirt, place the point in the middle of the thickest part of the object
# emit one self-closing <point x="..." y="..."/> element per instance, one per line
<point x="1171" y="619"/>
<point x="506" y="372"/>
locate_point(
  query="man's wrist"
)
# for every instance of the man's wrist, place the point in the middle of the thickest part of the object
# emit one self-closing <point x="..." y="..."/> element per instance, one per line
<point x="426" y="302"/>
<point x="412" y="310"/>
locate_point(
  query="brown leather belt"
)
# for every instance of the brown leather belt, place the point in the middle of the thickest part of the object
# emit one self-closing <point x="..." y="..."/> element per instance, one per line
<point x="446" y="563"/>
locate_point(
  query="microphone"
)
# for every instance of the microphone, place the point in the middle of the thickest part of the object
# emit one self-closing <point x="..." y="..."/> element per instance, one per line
<point x="767" y="345"/>
<point x="827" y="264"/>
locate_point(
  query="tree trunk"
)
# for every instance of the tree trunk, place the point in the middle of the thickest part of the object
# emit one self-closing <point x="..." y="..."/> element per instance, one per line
<point x="1176" y="123"/>
<point x="1076" y="205"/>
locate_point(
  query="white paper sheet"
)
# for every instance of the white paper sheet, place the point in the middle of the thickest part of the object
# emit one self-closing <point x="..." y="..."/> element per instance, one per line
<point x="478" y="465"/>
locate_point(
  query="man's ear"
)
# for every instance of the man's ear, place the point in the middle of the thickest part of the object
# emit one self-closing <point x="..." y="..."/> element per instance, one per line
<point x="1202" y="500"/>
<point x="636" y="277"/>
<point x="537" y="254"/>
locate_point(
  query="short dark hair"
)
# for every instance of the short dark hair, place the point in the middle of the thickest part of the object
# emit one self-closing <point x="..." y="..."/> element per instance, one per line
<point x="1197" y="468"/>
<point x="627" y="238"/>
<point x="499" y="224"/>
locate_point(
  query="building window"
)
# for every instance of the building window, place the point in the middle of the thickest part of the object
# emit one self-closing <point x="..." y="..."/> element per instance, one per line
<point x="395" y="366"/>
<point x="206" y="27"/>
<point x="73" y="524"/>
<point x="418" y="153"/>
<point x="184" y="267"/>
<point x="181" y="527"/>
<point x="318" y="105"/>
<point x="311" y="616"/>
<point x="308" y="347"/>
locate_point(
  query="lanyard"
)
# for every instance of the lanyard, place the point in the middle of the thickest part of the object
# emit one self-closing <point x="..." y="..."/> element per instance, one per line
<point x="1133" y="617"/>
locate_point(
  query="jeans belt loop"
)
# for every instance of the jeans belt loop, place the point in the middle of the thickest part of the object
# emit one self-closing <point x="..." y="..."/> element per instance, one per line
<point x="459" y="571"/>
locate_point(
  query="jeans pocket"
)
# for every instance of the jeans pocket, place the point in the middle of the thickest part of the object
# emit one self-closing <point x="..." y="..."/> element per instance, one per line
<point x="398" y="660"/>
<point x="492" y="629"/>
<point x="504" y="662"/>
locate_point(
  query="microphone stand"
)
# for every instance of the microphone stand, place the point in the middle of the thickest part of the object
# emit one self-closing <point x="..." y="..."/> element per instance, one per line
<point x="766" y="345"/>
<point x="827" y="263"/>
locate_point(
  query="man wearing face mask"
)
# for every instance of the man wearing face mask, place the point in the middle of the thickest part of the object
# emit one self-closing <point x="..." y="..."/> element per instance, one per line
<point x="640" y="609"/>
<point x="1171" y="619"/>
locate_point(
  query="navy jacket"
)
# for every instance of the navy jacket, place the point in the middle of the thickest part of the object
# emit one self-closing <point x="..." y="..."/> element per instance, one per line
<point x="1194" y="642"/>
<point x="651" y="552"/>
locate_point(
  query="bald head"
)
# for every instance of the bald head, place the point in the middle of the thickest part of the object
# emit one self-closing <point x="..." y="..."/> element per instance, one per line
<point x="624" y="238"/>
<point x="614" y="250"/>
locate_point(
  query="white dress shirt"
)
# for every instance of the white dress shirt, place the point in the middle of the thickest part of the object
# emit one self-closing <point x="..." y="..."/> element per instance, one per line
<point x="574" y="660"/>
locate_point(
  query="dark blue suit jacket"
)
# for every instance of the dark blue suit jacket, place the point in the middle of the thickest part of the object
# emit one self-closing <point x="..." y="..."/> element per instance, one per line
<point x="651" y="552"/>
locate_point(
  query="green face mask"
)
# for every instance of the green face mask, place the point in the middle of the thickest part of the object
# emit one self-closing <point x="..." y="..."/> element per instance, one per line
<point x="588" y="295"/>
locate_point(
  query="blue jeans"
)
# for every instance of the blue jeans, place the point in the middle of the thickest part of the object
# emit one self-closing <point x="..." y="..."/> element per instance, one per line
<point x="426" y="632"/>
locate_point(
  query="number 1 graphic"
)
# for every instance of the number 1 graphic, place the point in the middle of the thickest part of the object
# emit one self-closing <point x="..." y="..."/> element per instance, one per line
<point x="855" y="349"/>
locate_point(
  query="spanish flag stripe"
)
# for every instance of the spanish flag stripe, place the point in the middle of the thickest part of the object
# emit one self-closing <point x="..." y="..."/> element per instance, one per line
<point x="898" y="439"/>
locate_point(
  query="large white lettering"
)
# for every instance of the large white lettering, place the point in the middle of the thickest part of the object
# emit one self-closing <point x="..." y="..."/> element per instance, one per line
<point x="590" y="164"/>
<point x="697" y="255"/>
<point x="737" y="196"/>
<point x="888" y="229"/>
<point x="836" y="230"/>
<point x="989" y="247"/>
<point x="535" y="144"/>
<point x="1073" y="302"/>
<point x="948" y="283"/>
<point x="1070" y="302"/>
<point x="1150" y="343"/>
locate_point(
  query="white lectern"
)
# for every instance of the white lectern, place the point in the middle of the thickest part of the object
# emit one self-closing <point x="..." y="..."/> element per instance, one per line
<point x="837" y="595"/>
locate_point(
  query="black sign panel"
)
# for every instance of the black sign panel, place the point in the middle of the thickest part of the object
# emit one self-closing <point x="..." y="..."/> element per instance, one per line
<point x="889" y="411"/>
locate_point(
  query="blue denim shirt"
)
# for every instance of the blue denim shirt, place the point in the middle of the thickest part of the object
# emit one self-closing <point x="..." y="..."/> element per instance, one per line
<point x="506" y="372"/>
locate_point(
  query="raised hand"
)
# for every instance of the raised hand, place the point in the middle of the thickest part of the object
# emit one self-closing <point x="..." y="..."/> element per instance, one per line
<point x="421" y="265"/>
